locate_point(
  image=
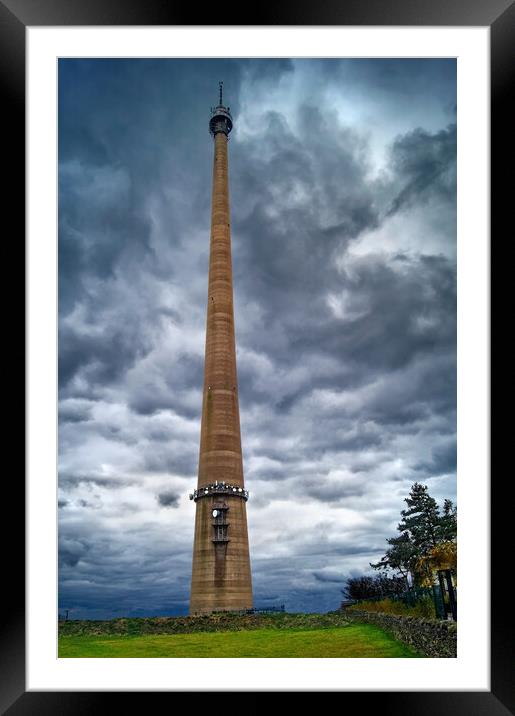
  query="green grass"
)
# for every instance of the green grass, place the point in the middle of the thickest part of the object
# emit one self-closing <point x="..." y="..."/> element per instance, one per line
<point x="353" y="641"/>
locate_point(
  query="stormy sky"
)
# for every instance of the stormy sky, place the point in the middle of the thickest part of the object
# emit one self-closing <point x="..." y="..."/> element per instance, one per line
<point x="343" y="211"/>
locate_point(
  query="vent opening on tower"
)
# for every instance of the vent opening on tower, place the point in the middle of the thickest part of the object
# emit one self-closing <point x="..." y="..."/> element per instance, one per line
<point x="219" y="523"/>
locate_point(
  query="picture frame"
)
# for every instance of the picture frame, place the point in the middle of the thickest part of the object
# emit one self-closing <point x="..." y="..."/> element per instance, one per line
<point x="15" y="17"/>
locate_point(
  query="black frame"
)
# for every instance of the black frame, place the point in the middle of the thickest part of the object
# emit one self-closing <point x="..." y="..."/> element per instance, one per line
<point x="499" y="15"/>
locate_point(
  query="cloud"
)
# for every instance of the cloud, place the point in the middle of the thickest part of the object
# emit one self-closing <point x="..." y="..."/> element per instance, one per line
<point x="343" y="218"/>
<point x="335" y="577"/>
<point x="168" y="499"/>
<point x="67" y="480"/>
<point x="425" y="164"/>
<point x="71" y="551"/>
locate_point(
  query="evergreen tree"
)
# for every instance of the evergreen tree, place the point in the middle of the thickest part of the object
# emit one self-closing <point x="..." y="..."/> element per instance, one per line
<point x="448" y="522"/>
<point x="421" y="521"/>
<point x="401" y="557"/>
<point x="422" y="529"/>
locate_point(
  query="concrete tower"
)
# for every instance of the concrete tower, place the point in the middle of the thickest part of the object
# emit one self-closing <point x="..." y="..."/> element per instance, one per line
<point x="221" y="577"/>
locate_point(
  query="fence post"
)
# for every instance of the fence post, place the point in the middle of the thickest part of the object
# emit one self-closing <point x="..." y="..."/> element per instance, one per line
<point x="452" y="596"/>
<point x="440" y="612"/>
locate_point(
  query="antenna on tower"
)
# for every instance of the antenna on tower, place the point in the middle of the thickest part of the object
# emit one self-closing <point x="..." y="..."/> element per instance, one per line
<point x="221" y="120"/>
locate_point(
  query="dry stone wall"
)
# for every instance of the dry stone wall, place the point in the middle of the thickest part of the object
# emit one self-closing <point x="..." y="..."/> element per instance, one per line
<point x="430" y="637"/>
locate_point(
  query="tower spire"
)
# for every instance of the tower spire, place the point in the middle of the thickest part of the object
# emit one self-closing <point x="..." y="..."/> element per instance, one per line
<point x="221" y="576"/>
<point x="221" y="119"/>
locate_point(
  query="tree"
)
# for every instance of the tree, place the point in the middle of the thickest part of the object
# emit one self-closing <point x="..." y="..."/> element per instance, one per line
<point x="448" y="522"/>
<point x="440" y="557"/>
<point x="422" y="529"/>
<point x="359" y="588"/>
<point x="377" y="586"/>
<point x="401" y="557"/>
<point x="421" y="521"/>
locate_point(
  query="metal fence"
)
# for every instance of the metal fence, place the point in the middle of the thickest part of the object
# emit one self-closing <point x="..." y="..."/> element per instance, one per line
<point x="443" y="596"/>
<point x="243" y="612"/>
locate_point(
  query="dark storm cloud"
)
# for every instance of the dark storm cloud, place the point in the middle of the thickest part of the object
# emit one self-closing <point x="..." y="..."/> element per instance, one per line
<point x="327" y="492"/>
<point x="436" y="78"/>
<point x="109" y="574"/>
<point x="426" y="165"/>
<point x="168" y="499"/>
<point x="187" y="372"/>
<point x="111" y="163"/>
<point x="71" y="551"/>
<point x="399" y="311"/>
<point x="272" y="244"/>
<point x="328" y="577"/>
<point x="408" y="312"/>
<point x="266" y="72"/>
<point x="111" y="160"/>
<point x="175" y="458"/>
<point x="299" y="215"/>
<point x="103" y="354"/>
<point x="346" y="349"/>
<point x="97" y="220"/>
<point x="442" y="462"/>
<point x="444" y="458"/>
<point x="67" y="480"/>
<point x="75" y="411"/>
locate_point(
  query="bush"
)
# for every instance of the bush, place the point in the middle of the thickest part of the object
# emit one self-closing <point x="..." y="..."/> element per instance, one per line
<point x="423" y="608"/>
<point x="375" y="587"/>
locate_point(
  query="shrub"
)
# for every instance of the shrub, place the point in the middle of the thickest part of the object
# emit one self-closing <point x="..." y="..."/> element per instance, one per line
<point x="423" y="608"/>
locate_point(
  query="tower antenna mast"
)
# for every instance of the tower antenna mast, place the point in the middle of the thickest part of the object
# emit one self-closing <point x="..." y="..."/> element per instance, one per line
<point x="221" y="578"/>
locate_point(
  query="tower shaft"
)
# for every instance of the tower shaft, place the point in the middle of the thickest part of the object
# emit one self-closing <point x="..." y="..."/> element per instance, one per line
<point x="221" y="577"/>
<point x="220" y="440"/>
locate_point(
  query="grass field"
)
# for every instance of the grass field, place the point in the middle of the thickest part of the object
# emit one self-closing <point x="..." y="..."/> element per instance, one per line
<point x="352" y="641"/>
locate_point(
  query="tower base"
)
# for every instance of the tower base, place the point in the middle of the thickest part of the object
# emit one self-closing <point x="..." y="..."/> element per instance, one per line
<point x="221" y="576"/>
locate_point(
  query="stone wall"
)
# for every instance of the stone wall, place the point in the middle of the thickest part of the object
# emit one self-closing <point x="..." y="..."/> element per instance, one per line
<point x="429" y="637"/>
<point x="222" y="621"/>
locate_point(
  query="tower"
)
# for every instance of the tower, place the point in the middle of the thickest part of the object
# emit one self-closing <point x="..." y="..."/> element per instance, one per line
<point x="221" y="577"/>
